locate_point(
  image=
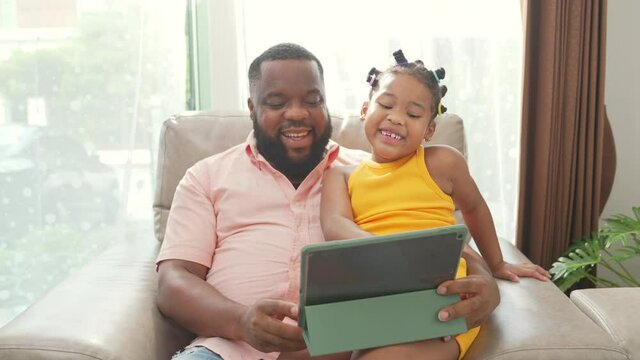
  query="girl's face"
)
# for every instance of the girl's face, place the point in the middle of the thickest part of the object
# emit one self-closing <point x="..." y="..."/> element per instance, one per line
<point x="398" y="117"/>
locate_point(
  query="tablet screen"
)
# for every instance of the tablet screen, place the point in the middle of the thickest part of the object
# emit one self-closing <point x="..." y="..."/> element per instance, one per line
<point x="381" y="265"/>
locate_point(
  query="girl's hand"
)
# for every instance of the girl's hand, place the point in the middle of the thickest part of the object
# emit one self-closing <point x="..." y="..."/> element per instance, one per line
<point x="507" y="271"/>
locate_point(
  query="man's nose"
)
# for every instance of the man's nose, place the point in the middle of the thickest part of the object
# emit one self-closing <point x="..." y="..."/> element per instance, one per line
<point x="296" y="112"/>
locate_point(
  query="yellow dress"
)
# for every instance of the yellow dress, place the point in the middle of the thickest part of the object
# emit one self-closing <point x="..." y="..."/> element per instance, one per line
<point x="401" y="196"/>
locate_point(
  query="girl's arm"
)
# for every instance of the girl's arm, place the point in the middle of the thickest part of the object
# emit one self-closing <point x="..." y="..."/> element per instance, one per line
<point x="336" y="216"/>
<point x="452" y="170"/>
<point x="474" y="209"/>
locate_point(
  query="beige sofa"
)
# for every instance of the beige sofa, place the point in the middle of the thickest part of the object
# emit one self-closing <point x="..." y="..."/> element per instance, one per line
<point x="107" y="310"/>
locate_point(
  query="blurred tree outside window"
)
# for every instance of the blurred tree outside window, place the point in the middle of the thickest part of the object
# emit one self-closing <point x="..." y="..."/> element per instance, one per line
<point x="84" y="88"/>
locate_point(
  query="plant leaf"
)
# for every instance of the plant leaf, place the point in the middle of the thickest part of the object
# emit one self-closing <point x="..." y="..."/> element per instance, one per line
<point x="584" y="255"/>
<point x="620" y="227"/>
<point x="625" y="253"/>
<point x="568" y="281"/>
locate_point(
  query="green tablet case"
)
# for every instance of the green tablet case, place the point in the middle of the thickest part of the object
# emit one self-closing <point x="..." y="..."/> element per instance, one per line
<point x="338" y="315"/>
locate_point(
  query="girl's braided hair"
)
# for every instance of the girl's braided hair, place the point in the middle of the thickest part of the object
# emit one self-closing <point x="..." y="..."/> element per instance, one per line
<point x="429" y="78"/>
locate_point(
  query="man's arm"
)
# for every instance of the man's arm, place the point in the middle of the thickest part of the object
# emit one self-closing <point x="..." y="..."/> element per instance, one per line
<point x="479" y="292"/>
<point x="186" y="297"/>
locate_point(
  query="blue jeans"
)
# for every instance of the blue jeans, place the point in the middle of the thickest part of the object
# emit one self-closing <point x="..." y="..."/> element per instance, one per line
<point x="197" y="353"/>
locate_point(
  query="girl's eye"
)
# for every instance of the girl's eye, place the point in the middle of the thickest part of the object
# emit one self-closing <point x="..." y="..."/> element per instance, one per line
<point x="413" y="116"/>
<point x="385" y="106"/>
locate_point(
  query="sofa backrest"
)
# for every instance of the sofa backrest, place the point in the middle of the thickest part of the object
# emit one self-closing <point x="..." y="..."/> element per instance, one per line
<point x="191" y="136"/>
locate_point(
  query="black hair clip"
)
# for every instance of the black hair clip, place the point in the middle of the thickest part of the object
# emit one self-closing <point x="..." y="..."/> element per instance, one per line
<point x="372" y="77"/>
<point x="401" y="60"/>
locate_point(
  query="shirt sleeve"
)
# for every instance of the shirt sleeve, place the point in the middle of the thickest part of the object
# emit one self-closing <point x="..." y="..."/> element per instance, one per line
<point x="191" y="228"/>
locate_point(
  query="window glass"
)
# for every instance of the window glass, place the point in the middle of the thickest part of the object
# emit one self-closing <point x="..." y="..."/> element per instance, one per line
<point x="479" y="43"/>
<point x="85" y="87"/>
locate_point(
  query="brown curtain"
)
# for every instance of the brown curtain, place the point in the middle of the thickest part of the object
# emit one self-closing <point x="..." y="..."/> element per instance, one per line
<point x="563" y="119"/>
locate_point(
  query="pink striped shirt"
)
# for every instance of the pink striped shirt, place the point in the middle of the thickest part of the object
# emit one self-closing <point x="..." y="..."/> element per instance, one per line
<point x="238" y="216"/>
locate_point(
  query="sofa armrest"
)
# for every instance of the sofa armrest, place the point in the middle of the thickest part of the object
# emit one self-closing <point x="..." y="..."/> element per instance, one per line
<point x="616" y="311"/>
<point x="535" y="320"/>
<point x="106" y="310"/>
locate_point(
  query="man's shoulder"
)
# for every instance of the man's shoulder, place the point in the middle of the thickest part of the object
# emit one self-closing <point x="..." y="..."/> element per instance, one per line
<point x="223" y="159"/>
<point x="347" y="156"/>
<point x="231" y="154"/>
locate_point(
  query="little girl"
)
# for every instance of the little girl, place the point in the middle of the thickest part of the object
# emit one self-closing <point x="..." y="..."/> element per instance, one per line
<point x="407" y="187"/>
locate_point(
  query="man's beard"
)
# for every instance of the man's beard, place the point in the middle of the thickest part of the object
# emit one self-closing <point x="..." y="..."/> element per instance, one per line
<point x="276" y="153"/>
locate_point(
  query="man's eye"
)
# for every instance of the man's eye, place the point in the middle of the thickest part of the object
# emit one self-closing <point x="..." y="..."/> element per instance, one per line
<point x="313" y="101"/>
<point x="275" y="105"/>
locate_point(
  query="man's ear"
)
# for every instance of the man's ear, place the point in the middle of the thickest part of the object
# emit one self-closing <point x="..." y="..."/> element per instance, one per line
<point x="251" y="109"/>
<point x="431" y="129"/>
<point x="363" y="110"/>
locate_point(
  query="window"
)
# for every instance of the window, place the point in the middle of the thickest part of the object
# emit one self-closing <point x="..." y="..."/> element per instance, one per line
<point x="85" y="87"/>
<point x="479" y="43"/>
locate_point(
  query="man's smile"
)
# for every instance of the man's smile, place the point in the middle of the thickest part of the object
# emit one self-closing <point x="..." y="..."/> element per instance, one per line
<point x="297" y="137"/>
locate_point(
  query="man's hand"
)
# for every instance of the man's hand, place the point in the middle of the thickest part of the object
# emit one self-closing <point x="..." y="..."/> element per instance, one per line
<point x="507" y="271"/>
<point x="479" y="296"/>
<point x="262" y="326"/>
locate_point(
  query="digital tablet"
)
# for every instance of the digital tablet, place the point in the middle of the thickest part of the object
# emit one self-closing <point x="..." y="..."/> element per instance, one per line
<point x="344" y="270"/>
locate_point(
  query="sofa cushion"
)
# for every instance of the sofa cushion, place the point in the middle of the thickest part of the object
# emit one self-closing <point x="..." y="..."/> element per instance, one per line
<point x="535" y="320"/>
<point x="191" y="136"/>
<point x="106" y="311"/>
<point x="616" y="311"/>
<point x="449" y="131"/>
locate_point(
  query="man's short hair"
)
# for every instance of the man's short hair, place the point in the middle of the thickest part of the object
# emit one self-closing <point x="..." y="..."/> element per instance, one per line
<point x="284" y="51"/>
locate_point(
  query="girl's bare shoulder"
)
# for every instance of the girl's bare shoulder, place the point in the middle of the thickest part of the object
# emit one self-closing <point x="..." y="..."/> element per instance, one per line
<point x="442" y="153"/>
<point x="445" y="164"/>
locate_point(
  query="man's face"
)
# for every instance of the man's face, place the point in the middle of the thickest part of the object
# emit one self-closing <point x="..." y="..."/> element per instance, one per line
<point x="289" y="114"/>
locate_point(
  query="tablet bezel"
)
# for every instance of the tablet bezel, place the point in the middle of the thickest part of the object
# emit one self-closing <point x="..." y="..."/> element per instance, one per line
<point x="443" y="243"/>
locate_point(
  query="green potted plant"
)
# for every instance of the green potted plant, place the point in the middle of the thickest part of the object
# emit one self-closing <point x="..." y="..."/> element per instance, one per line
<point x="580" y="259"/>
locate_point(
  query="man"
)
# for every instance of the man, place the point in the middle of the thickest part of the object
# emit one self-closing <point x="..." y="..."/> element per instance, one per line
<point x="229" y="265"/>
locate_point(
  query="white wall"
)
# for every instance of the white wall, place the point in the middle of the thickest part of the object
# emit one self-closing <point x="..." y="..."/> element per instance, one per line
<point x="622" y="95"/>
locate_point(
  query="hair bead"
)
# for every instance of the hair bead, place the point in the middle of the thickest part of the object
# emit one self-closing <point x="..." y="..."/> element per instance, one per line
<point x="438" y="74"/>
<point x="441" y="109"/>
<point x="372" y="77"/>
<point x="443" y="90"/>
<point x="401" y="60"/>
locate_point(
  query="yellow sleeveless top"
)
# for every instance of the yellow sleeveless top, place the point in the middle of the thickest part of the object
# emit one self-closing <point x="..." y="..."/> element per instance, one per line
<point x="398" y="196"/>
<point x="401" y="196"/>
